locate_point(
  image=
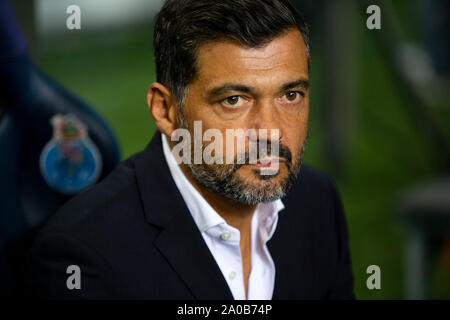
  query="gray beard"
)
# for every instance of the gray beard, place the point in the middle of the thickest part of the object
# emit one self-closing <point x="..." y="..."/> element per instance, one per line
<point x="222" y="179"/>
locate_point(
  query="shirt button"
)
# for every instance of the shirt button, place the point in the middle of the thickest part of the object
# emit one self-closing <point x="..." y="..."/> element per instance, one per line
<point x="226" y="235"/>
<point x="232" y="275"/>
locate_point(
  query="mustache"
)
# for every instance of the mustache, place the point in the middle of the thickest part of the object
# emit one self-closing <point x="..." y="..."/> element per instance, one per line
<point x="283" y="153"/>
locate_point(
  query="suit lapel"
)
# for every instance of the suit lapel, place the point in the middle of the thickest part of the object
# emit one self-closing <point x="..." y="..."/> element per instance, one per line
<point x="179" y="241"/>
<point x="184" y="248"/>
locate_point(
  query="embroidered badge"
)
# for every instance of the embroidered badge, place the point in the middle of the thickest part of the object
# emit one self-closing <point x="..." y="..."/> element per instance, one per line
<point x="70" y="161"/>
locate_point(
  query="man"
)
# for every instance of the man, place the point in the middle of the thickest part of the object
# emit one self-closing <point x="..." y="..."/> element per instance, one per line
<point x="176" y="225"/>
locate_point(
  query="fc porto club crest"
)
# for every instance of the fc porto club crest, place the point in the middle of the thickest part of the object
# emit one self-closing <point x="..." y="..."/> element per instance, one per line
<point x="70" y="162"/>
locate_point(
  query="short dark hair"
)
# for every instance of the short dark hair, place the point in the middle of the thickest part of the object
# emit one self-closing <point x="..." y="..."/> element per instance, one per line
<point x="182" y="26"/>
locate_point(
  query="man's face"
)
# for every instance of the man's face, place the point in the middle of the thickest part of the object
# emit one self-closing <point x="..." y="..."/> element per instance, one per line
<point x="243" y="88"/>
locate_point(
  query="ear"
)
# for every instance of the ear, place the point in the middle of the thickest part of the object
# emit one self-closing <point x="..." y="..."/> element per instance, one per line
<point x="162" y="107"/>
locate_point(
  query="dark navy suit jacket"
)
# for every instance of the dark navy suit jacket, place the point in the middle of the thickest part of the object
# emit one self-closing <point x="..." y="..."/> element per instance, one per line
<point x="133" y="238"/>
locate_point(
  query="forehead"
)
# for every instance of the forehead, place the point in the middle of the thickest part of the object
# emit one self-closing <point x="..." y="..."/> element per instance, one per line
<point x="227" y="60"/>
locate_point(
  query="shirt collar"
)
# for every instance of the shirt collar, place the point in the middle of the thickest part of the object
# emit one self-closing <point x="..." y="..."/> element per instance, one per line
<point x="204" y="215"/>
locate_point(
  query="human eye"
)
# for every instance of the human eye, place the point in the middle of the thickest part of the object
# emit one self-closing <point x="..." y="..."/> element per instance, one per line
<point x="234" y="101"/>
<point x="292" y="97"/>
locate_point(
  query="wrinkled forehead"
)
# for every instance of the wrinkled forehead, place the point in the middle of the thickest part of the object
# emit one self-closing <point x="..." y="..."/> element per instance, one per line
<point x="229" y="60"/>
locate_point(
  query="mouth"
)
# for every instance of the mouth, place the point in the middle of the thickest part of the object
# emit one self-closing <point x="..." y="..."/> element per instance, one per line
<point x="269" y="162"/>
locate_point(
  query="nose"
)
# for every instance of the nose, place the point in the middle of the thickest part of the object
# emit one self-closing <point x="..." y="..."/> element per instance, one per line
<point x="266" y="116"/>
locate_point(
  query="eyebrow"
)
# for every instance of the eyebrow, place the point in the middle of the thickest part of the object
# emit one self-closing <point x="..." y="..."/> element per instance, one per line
<point x="302" y="82"/>
<point x="229" y="87"/>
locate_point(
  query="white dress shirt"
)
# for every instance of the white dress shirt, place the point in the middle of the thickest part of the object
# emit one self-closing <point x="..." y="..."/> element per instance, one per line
<point x="223" y="239"/>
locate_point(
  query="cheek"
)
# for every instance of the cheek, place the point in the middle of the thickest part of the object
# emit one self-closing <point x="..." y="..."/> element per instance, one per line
<point x="296" y="131"/>
<point x="209" y="120"/>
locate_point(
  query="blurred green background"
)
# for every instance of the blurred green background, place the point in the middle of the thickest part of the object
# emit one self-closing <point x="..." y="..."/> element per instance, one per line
<point x="381" y="150"/>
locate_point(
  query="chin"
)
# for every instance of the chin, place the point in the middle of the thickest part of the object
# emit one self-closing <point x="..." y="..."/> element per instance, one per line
<point x="255" y="178"/>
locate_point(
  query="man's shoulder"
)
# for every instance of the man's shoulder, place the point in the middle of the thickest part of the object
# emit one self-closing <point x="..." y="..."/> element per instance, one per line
<point x="309" y="172"/>
<point x="115" y="201"/>
<point x="313" y="180"/>
<point x="314" y="189"/>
